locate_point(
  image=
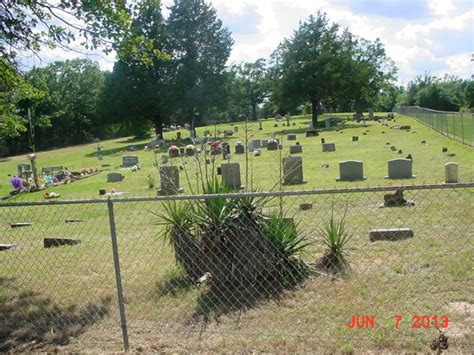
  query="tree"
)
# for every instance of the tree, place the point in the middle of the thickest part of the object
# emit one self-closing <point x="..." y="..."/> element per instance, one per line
<point x="371" y="72"/>
<point x="199" y="47"/>
<point x="66" y="113"/>
<point x="141" y="91"/>
<point x="312" y="63"/>
<point x="251" y="77"/>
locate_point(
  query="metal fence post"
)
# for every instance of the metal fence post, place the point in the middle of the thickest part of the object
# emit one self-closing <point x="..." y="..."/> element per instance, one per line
<point x="118" y="277"/>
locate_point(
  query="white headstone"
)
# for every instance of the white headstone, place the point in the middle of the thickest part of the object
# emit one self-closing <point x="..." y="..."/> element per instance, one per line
<point x="451" y="173"/>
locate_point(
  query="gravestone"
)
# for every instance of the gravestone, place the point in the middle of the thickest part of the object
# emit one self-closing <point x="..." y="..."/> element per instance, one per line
<point x="355" y="138"/>
<point x="306" y="206"/>
<point x="329" y="147"/>
<point x="291" y="137"/>
<point x="263" y="143"/>
<point x="21" y="224"/>
<point x="451" y="173"/>
<point x="272" y="144"/>
<point x="257" y="143"/>
<point x="445" y="149"/>
<point x="323" y="140"/>
<point x="312" y="133"/>
<point x="292" y="170"/>
<point x="400" y="169"/>
<point x="236" y="129"/>
<point x="239" y="148"/>
<point x="391" y="234"/>
<point x="129" y="160"/>
<point x="351" y="170"/>
<point x="190" y="150"/>
<point x="57" y="242"/>
<point x="257" y="153"/>
<point x="296" y="149"/>
<point x="260" y="126"/>
<point x="114" y="177"/>
<point x="225" y="148"/>
<point x="371" y="113"/>
<point x="178" y="135"/>
<point x="231" y="175"/>
<point x="173" y="152"/>
<point x="169" y="180"/>
<point x="250" y="146"/>
<point x="7" y="246"/>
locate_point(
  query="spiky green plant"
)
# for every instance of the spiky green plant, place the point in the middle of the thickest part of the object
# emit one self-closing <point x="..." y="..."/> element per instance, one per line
<point x="283" y="235"/>
<point x="178" y="218"/>
<point x="335" y="236"/>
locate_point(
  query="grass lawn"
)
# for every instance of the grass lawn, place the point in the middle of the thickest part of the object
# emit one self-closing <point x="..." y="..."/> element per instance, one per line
<point x="263" y="171"/>
<point x="65" y="299"/>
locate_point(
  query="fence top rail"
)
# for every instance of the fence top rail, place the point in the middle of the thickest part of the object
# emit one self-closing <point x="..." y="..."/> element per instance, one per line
<point x="245" y="194"/>
<point x="399" y="108"/>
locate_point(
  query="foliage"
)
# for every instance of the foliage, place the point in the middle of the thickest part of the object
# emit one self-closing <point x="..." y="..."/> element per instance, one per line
<point x="449" y="93"/>
<point x="225" y="232"/>
<point x="335" y="236"/>
<point x="250" y="79"/>
<point x="66" y="112"/>
<point x="200" y="46"/>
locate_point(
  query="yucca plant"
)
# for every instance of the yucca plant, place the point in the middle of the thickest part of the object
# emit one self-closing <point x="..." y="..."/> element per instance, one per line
<point x="178" y="218"/>
<point x="335" y="236"/>
<point x="283" y="235"/>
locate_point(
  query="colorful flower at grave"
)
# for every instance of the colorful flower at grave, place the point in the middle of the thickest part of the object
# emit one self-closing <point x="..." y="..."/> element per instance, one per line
<point x="215" y="144"/>
<point x="17" y="183"/>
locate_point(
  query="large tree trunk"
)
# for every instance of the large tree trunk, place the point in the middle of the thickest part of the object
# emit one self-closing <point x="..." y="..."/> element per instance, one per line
<point x="314" y="113"/>
<point x="254" y="112"/>
<point x="158" y="125"/>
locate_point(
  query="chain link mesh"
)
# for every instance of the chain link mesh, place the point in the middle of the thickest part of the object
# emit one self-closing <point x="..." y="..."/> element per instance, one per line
<point x="243" y="272"/>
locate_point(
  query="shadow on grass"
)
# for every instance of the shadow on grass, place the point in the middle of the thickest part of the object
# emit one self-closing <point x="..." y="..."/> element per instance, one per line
<point x="215" y="302"/>
<point x="29" y="321"/>
<point x="113" y="151"/>
<point x="174" y="285"/>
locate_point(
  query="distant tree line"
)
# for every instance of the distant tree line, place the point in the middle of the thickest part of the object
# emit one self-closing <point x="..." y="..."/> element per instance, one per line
<point x="449" y="93"/>
<point x="174" y="70"/>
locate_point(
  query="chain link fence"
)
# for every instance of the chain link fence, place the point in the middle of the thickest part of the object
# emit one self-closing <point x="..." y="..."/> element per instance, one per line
<point x="456" y="125"/>
<point x="343" y="269"/>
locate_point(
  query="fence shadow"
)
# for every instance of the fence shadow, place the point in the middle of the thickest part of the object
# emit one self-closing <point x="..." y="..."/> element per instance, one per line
<point x="29" y="321"/>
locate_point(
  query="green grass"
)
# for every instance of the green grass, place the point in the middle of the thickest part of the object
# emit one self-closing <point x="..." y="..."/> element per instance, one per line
<point x="416" y="276"/>
<point x="263" y="172"/>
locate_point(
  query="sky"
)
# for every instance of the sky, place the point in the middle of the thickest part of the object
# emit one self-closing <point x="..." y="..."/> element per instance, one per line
<point x="421" y="36"/>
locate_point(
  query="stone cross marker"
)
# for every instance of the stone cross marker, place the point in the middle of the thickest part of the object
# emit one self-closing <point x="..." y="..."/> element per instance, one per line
<point x="129" y="160"/>
<point x="114" y="177"/>
<point x="231" y="175"/>
<point x="329" y="147"/>
<point x="169" y="180"/>
<point x="295" y="149"/>
<point x="351" y="170"/>
<point x="400" y="169"/>
<point x="451" y="173"/>
<point x="292" y="170"/>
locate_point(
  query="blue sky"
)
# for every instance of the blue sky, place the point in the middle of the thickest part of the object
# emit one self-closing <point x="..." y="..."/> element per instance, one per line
<point x="435" y="36"/>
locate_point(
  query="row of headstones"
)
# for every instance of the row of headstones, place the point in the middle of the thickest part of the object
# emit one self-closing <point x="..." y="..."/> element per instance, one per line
<point x="351" y="170"/>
